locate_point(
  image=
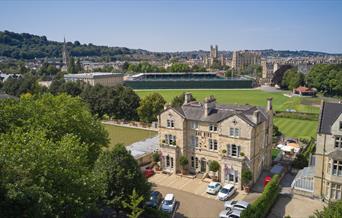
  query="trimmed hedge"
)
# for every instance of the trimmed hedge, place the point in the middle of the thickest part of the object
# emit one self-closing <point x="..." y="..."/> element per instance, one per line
<point x="262" y="205"/>
<point x="297" y="115"/>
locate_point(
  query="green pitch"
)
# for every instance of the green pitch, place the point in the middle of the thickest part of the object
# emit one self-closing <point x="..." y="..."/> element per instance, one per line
<point x="126" y="135"/>
<point x="252" y="97"/>
<point x="296" y="128"/>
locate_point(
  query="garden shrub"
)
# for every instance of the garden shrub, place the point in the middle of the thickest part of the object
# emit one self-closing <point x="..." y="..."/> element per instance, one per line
<point x="261" y="206"/>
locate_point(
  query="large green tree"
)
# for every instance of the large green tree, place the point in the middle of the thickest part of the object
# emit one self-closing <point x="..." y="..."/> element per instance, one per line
<point x="333" y="210"/>
<point x="150" y="107"/>
<point x="18" y="85"/>
<point x="178" y="100"/>
<point x="327" y="78"/>
<point x="292" y="79"/>
<point x="119" y="174"/>
<point x="43" y="178"/>
<point x="56" y="116"/>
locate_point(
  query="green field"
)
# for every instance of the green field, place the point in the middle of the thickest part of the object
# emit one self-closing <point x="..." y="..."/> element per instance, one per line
<point x="296" y="128"/>
<point x="126" y="135"/>
<point x="252" y="97"/>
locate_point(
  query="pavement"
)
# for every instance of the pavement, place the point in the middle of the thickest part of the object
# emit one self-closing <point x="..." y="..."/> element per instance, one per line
<point x="194" y="186"/>
<point x="191" y="205"/>
<point x="295" y="206"/>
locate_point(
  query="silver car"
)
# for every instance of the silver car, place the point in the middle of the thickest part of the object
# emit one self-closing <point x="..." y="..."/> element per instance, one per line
<point x="230" y="213"/>
<point x="236" y="205"/>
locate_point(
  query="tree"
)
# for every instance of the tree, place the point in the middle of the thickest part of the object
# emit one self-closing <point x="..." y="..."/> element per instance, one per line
<point x="246" y="176"/>
<point x="183" y="161"/>
<point x="150" y="107"/>
<point x="333" y="210"/>
<point x="124" y="103"/>
<point x="21" y="85"/>
<point x="44" y="178"/>
<point x="214" y="166"/>
<point x="292" y="79"/>
<point x="133" y="204"/>
<point x="57" y="116"/>
<point x="71" y="88"/>
<point x="300" y="162"/>
<point x="78" y="66"/>
<point x="178" y="101"/>
<point x="119" y="175"/>
<point x="71" y="66"/>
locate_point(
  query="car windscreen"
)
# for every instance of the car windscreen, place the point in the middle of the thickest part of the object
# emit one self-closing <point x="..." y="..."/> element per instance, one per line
<point x="211" y="186"/>
<point x="224" y="191"/>
<point x="169" y="202"/>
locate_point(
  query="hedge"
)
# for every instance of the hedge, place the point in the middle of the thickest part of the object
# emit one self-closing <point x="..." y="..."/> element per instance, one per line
<point x="297" y="115"/>
<point x="262" y="205"/>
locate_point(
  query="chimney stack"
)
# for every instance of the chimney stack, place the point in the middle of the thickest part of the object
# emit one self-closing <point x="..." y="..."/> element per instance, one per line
<point x="187" y="98"/>
<point x="256" y="116"/>
<point x="209" y="104"/>
<point x="269" y="104"/>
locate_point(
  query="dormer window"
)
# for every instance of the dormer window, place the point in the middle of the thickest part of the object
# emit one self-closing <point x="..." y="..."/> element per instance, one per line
<point x="170" y="123"/>
<point x="212" y="128"/>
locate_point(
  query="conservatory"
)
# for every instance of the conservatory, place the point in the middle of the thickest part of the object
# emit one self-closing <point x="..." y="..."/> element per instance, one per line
<point x="303" y="183"/>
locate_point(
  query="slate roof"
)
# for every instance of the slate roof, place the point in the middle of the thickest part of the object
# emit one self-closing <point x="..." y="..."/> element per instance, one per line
<point x="195" y="111"/>
<point x="329" y="114"/>
<point x="336" y="155"/>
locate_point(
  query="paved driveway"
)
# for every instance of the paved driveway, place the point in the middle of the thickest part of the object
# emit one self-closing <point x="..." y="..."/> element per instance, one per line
<point x="295" y="206"/>
<point x="191" y="205"/>
<point x="194" y="186"/>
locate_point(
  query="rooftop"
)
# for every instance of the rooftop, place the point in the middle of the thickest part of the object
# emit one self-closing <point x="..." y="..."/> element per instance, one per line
<point x="92" y="75"/>
<point x="329" y="114"/>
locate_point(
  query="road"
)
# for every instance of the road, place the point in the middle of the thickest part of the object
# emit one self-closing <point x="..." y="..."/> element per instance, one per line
<point x="190" y="205"/>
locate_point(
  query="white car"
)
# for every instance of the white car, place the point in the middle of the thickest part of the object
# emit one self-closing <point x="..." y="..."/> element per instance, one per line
<point x="213" y="188"/>
<point x="226" y="192"/>
<point x="236" y="205"/>
<point x="168" y="204"/>
<point x="229" y="213"/>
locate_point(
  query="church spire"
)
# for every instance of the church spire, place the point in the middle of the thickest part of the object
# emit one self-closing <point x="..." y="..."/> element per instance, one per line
<point x="65" y="53"/>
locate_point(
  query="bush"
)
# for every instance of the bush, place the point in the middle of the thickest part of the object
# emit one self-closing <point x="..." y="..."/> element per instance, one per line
<point x="334" y="209"/>
<point x="297" y="115"/>
<point x="155" y="157"/>
<point x="214" y="166"/>
<point x="261" y="206"/>
<point x="183" y="161"/>
<point x="246" y="176"/>
<point x="300" y="162"/>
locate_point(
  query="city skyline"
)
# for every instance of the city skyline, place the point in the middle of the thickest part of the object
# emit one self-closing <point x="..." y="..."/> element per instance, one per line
<point x="170" y="26"/>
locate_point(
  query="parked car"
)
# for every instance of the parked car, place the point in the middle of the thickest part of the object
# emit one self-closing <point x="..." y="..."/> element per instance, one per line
<point x="148" y="172"/>
<point x="236" y="205"/>
<point x="213" y="188"/>
<point x="226" y="192"/>
<point x="230" y="213"/>
<point x="155" y="199"/>
<point x="169" y="203"/>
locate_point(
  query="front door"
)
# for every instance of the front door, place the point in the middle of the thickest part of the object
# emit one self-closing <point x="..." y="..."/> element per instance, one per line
<point x="203" y="166"/>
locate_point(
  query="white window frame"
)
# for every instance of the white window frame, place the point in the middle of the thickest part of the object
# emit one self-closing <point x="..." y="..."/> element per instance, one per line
<point x="234" y="132"/>
<point x="338" y="141"/>
<point x="213" y="128"/>
<point x="234" y="150"/>
<point x="335" y="191"/>
<point x="336" y="168"/>
<point x="194" y="125"/>
<point x="213" y="144"/>
<point x="170" y="123"/>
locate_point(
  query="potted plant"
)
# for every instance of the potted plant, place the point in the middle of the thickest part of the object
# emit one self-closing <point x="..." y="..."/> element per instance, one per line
<point x="224" y="151"/>
<point x="183" y="161"/>
<point x="214" y="166"/>
<point x="156" y="159"/>
<point x="242" y="154"/>
<point x="246" y="178"/>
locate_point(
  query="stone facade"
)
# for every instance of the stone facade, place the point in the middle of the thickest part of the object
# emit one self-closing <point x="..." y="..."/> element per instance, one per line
<point x="236" y="136"/>
<point x="242" y="59"/>
<point x="328" y="155"/>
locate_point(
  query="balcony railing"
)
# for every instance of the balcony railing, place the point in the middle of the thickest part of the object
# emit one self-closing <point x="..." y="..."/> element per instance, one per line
<point x="164" y="145"/>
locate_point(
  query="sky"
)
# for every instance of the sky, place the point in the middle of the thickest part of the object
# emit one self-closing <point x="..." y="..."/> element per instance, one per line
<point x="182" y="25"/>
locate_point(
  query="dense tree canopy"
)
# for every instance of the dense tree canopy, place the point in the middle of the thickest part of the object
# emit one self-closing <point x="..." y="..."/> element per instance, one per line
<point x="18" y="85"/>
<point x="150" y="107"/>
<point x="326" y="78"/>
<point x="333" y="210"/>
<point x="292" y="79"/>
<point x="56" y="116"/>
<point x="120" y="174"/>
<point x="178" y="100"/>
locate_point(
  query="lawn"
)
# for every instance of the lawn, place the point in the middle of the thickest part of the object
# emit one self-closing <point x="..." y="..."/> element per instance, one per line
<point x="296" y="128"/>
<point x="253" y="97"/>
<point x="126" y="135"/>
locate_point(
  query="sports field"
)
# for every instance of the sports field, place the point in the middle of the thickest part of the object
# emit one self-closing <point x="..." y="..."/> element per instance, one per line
<point x="296" y="128"/>
<point x="126" y="135"/>
<point x="253" y="97"/>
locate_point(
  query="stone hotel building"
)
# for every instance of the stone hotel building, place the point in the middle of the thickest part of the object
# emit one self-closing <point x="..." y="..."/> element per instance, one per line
<point x="328" y="156"/>
<point x="237" y="136"/>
